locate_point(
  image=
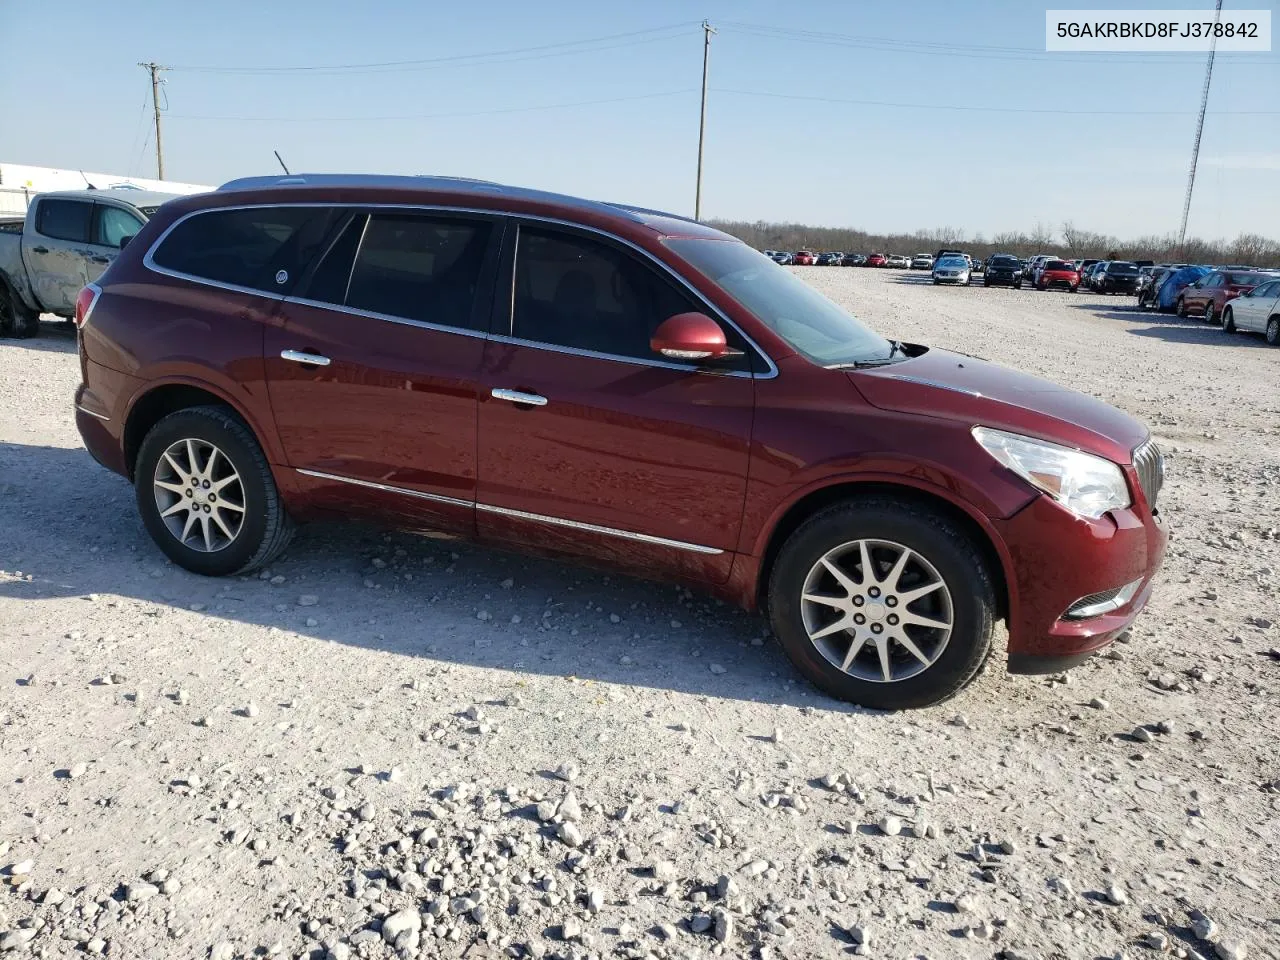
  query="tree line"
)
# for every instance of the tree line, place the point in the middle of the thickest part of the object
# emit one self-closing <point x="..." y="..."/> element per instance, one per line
<point x="1068" y="241"/>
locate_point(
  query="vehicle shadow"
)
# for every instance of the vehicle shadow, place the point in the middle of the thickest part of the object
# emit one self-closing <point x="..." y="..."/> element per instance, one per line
<point x="56" y="336"/>
<point x="1175" y="329"/>
<point x="73" y="529"/>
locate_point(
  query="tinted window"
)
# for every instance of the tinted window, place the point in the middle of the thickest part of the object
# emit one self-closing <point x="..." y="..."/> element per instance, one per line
<point x="1058" y="265"/>
<point x="65" y="219"/>
<point x="328" y="283"/>
<point x="246" y="247"/>
<point x="1124" y="268"/>
<point x="1268" y="289"/>
<point x="420" y="268"/>
<point x="114" y="224"/>
<point x="573" y="291"/>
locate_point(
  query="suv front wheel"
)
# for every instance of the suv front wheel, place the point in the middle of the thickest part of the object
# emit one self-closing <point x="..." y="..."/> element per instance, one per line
<point x="883" y="603"/>
<point x="206" y="494"/>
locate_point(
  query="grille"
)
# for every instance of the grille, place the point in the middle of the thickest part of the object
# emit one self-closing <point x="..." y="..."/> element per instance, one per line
<point x="1148" y="461"/>
<point x="1089" y="601"/>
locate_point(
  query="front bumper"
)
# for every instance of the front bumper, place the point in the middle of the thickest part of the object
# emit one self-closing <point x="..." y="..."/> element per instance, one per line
<point x="1057" y="558"/>
<point x="949" y="279"/>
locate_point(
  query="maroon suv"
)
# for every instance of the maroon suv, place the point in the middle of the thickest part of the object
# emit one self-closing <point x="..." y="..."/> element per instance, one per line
<point x="612" y="383"/>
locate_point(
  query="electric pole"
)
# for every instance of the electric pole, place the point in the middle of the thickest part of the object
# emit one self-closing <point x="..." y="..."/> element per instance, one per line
<point x="707" y="31"/>
<point x="1195" y="148"/>
<point x="155" y="69"/>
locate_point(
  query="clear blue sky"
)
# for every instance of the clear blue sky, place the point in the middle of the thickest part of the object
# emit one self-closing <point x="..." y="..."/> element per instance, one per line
<point x="72" y="96"/>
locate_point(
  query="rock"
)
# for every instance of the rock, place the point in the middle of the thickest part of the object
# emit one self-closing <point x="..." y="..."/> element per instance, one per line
<point x="755" y="867"/>
<point x="1231" y="949"/>
<point x="1166" y="726"/>
<point x="966" y="903"/>
<point x="1099" y="704"/>
<point x="664" y="871"/>
<point x="474" y="713"/>
<point x="569" y="834"/>
<point x="717" y="669"/>
<point x="546" y="810"/>
<point x="308" y="600"/>
<point x="78" y="770"/>
<point x="22" y="867"/>
<point x="1156" y="940"/>
<point x="222" y="951"/>
<point x="726" y="887"/>
<point x="860" y="934"/>
<point x="700" y="922"/>
<point x="1007" y="847"/>
<point x="1141" y="734"/>
<point x="666" y="931"/>
<point x="890" y="826"/>
<point x="17" y="939"/>
<point x="570" y="929"/>
<point x="366" y="812"/>
<point x="1116" y="894"/>
<point x="1203" y="927"/>
<point x="251" y="710"/>
<point x="53" y="896"/>
<point x="170" y="885"/>
<point x="722" y="925"/>
<point x="140" y="891"/>
<point x="568" y="772"/>
<point x="400" y="921"/>
<point x="595" y="900"/>
<point x="97" y="946"/>
<point x="570" y="809"/>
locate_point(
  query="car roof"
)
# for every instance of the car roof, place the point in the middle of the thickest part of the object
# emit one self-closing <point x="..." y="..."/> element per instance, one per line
<point x="137" y="198"/>
<point x="486" y="193"/>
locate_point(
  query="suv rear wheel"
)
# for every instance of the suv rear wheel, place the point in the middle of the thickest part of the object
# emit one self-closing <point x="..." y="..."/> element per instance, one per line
<point x="883" y="603"/>
<point x="206" y="494"/>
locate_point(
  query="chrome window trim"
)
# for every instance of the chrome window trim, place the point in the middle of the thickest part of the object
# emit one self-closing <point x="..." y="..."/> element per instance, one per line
<point x="388" y="318"/>
<point x="520" y="514"/>
<point x="148" y="261"/>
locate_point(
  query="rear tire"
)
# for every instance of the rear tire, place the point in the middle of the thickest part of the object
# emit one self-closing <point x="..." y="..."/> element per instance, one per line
<point x="1208" y="313"/>
<point x="1180" y="308"/>
<point x="16" y="320"/>
<point x="264" y="529"/>
<point x="955" y="560"/>
<point x="1273" y="331"/>
<point x="1228" y="320"/>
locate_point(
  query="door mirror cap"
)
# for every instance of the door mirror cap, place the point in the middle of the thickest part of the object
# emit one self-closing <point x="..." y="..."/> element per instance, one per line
<point x="691" y="336"/>
<point x="124" y="241"/>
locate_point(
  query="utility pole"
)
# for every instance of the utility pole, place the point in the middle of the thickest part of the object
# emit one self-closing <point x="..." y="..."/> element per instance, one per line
<point x="155" y="69"/>
<point x="707" y="31"/>
<point x="1195" y="148"/>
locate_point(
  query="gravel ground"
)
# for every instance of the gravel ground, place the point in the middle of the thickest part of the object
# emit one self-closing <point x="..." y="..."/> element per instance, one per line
<point x="393" y="746"/>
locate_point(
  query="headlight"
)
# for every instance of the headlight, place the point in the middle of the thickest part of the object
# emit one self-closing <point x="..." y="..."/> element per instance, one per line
<point x="1084" y="484"/>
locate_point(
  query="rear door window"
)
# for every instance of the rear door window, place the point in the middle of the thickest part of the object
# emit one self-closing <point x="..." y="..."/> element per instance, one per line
<point x="65" y="220"/>
<point x="423" y="267"/>
<point x="257" y="248"/>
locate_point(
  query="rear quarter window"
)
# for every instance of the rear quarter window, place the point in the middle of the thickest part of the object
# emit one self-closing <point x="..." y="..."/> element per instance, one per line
<point x="247" y="247"/>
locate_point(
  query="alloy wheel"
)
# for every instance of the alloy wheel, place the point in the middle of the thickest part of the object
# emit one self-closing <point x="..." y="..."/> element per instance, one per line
<point x="878" y="610"/>
<point x="199" y="495"/>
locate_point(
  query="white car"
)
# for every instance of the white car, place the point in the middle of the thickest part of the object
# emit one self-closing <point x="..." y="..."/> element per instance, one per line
<point x="952" y="270"/>
<point x="898" y="261"/>
<point x="1258" y="310"/>
<point x="922" y="261"/>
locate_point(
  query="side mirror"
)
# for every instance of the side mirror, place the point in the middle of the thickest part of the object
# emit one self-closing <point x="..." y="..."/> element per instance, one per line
<point x="691" y="336"/>
<point x="124" y="241"/>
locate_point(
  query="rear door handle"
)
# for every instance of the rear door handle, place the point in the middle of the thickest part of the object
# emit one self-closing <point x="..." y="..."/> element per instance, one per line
<point x="516" y="396"/>
<point x="100" y="259"/>
<point x="310" y="359"/>
<point x="39" y="249"/>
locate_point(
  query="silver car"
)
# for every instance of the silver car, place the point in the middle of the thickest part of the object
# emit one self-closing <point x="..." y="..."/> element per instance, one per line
<point x="1258" y="311"/>
<point x="952" y="270"/>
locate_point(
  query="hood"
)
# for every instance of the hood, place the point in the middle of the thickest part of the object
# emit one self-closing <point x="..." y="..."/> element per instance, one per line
<point x="977" y="392"/>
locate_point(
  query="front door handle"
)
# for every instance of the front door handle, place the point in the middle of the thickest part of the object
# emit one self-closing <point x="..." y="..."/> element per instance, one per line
<point x="310" y="359"/>
<point x="39" y="249"/>
<point x="516" y="396"/>
<point x="100" y="259"/>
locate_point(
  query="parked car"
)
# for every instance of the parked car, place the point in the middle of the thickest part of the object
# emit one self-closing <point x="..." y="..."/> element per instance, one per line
<point x="922" y="261"/>
<point x="897" y="261"/>
<point x="1118" y="276"/>
<point x="1208" y="296"/>
<point x="877" y="260"/>
<point x="1092" y="273"/>
<point x="952" y="269"/>
<point x="1032" y="271"/>
<point x="975" y="263"/>
<point x="947" y="253"/>
<point x="66" y="240"/>
<point x="287" y="348"/>
<point x="1082" y="267"/>
<point x="1174" y="283"/>
<point x="822" y="260"/>
<point x="1149" y="280"/>
<point x="783" y="258"/>
<point x="804" y="258"/>
<point x="1002" y="268"/>
<point x="1058" y="273"/>
<point x="1257" y="310"/>
<point x="853" y="260"/>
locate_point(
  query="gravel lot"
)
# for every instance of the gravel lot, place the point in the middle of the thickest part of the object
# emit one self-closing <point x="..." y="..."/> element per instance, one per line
<point x="370" y="750"/>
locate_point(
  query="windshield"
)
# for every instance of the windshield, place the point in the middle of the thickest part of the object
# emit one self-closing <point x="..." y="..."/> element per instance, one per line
<point x="1119" y="267"/>
<point x="1004" y="261"/>
<point x="953" y="262"/>
<point x="810" y="323"/>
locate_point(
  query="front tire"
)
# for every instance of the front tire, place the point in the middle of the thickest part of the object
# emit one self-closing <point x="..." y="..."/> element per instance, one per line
<point x="1273" y="331"/>
<point x="1229" y="320"/>
<point x="927" y="588"/>
<point x="206" y="494"/>
<point x="1208" y="313"/>
<point x="1180" y="308"/>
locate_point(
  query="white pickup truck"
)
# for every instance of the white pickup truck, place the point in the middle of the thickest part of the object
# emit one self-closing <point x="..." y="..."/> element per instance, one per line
<point x="66" y="240"/>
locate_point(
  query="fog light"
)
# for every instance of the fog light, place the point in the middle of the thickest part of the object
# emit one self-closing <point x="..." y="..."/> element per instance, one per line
<point x="1096" y="604"/>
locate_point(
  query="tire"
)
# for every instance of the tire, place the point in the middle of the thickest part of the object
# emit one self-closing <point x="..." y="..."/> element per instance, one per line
<point x="1228" y="320"/>
<point x="265" y="529"/>
<point x="1208" y="313"/>
<point x="16" y="321"/>
<point x="936" y="282"/>
<point x="1180" y="308"/>
<point x="1018" y="285"/>
<point x="1273" y="331"/>
<point x="954" y="559"/>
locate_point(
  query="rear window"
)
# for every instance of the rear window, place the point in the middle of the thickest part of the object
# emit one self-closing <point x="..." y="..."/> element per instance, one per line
<point x="260" y="248"/>
<point x="1058" y="265"/>
<point x="64" y="220"/>
<point x="1122" y="268"/>
<point x="1246" y="279"/>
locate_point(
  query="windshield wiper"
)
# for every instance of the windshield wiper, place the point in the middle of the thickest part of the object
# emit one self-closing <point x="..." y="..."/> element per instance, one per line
<point x="895" y="347"/>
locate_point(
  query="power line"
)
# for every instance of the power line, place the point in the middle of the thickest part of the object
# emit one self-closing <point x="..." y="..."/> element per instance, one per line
<point x="979" y="109"/>
<point x="513" y="55"/>
<point x="440" y="116"/>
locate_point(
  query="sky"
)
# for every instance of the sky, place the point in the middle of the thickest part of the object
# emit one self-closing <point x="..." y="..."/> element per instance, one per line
<point x="889" y="117"/>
